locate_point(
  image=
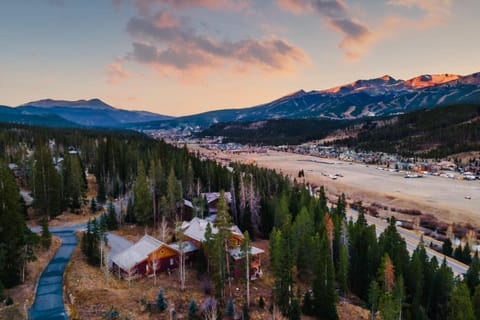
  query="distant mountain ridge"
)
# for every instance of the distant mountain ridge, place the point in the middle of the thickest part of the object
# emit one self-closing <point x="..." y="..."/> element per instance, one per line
<point x="363" y="98"/>
<point x="50" y="103"/>
<point x="92" y="113"/>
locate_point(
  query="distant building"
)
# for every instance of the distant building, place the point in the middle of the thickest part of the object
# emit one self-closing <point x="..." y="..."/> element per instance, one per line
<point x="185" y="209"/>
<point x="212" y="200"/>
<point x="447" y="165"/>
<point x="15" y="169"/>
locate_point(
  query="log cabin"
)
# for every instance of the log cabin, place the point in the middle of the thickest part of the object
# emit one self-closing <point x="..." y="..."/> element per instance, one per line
<point x="145" y="257"/>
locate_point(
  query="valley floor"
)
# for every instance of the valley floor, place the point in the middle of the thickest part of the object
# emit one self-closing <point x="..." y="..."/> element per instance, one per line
<point x="451" y="201"/>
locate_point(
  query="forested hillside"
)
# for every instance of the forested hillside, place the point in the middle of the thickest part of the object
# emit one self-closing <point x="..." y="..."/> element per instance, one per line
<point x="316" y="255"/>
<point x="275" y="132"/>
<point x="434" y="133"/>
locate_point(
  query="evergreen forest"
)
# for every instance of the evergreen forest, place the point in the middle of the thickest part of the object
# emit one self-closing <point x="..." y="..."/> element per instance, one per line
<point x="317" y="256"/>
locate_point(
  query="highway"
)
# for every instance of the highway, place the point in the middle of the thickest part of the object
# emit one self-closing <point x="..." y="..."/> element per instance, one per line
<point x="412" y="240"/>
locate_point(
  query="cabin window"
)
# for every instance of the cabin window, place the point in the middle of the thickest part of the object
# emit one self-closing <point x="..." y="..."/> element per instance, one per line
<point x="162" y="252"/>
<point x="171" y="261"/>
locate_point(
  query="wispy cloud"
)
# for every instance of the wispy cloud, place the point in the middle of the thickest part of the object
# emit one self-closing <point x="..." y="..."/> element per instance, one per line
<point x="356" y="35"/>
<point x="173" y="45"/>
<point x="146" y="6"/>
<point x="116" y="73"/>
<point x="433" y="12"/>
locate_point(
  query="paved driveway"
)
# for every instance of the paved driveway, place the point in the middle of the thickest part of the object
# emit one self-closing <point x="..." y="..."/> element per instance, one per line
<point x="48" y="302"/>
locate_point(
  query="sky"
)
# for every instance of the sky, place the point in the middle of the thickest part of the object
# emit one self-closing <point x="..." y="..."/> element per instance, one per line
<point x="180" y="57"/>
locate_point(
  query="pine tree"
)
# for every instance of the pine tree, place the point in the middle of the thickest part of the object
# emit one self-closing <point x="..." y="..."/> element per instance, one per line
<point x="476" y="302"/>
<point x="245" y="312"/>
<point x="460" y="305"/>
<point x="172" y="193"/>
<point x="283" y="259"/>
<point x="209" y="245"/>
<point x="303" y="230"/>
<point x="46" y="238"/>
<point x="74" y="181"/>
<point x="221" y="260"/>
<point x="230" y="309"/>
<point x="130" y="215"/>
<point x="101" y="194"/>
<point x="112" y="221"/>
<point x="295" y="311"/>
<point x="324" y="282"/>
<point x="441" y="291"/>
<point x="13" y="229"/>
<point x="472" y="277"/>
<point x="282" y="211"/>
<point x="392" y="243"/>
<point x="192" y="310"/>
<point x="447" y="248"/>
<point x="308" y="305"/>
<point x="93" y="206"/>
<point x="189" y="180"/>
<point x="143" y="198"/>
<point x="417" y="275"/>
<point x="374" y="294"/>
<point x="364" y="256"/>
<point x="276" y="251"/>
<point x="466" y="254"/>
<point x="458" y="253"/>
<point x="90" y="243"/>
<point x="388" y="307"/>
<point x="161" y="302"/>
<point x="47" y="184"/>
<point x="386" y="274"/>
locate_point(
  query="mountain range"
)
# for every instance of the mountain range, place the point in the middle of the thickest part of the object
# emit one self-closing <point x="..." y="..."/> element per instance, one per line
<point x="91" y="113"/>
<point x="360" y="99"/>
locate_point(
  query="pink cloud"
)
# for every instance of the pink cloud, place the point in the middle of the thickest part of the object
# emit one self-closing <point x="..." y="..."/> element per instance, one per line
<point x="356" y="35"/>
<point x="175" y="47"/>
<point x="146" y="6"/>
<point x="434" y="12"/>
<point x="164" y="20"/>
<point x="116" y="74"/>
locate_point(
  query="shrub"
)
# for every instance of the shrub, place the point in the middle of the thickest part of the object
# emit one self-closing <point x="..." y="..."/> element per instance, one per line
<point x="161" y="302"/>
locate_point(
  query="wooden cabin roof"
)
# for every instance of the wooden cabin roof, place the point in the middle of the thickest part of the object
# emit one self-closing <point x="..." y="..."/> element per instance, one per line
<point x="138" y="252"/>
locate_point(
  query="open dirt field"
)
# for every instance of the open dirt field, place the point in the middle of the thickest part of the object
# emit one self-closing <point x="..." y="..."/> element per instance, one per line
<point x="444" y="198"/>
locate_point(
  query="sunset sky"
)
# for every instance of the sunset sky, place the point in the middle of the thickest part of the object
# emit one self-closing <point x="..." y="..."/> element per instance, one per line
<point x="179" y="57"/>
